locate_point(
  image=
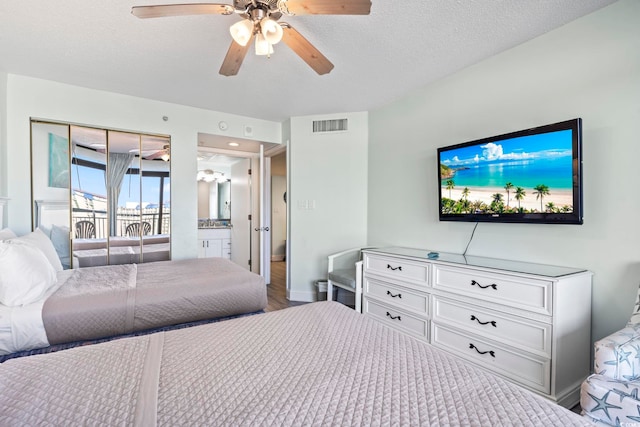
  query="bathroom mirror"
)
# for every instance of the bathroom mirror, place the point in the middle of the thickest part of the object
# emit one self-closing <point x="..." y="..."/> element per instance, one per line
<point x="214" y="187"/>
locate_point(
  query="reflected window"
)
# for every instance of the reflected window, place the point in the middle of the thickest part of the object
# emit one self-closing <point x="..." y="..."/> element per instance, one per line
<point x="104" y="194"/>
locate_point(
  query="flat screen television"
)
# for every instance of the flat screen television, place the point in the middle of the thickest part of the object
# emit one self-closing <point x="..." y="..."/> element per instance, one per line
<point x="529" y="176"/>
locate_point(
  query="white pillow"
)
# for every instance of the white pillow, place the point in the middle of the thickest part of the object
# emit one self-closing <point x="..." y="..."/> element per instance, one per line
<point x="42" y="242"/>
<point x="7" y="233"/>
<point x="60" y="239"/>
<point x="25" y="274"/>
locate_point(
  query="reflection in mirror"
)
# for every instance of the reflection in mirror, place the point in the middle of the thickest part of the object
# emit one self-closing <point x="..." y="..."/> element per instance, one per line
<point x="224" y="200"/>
<point x="123" y="187"/>
<point x="214" y="195"/>
<point x="155" y="206"/>
<point x="50" y="185"/>
<point x="139" y="197"/>
<point x="107" y="191"/>
<point x="89" y="215"/>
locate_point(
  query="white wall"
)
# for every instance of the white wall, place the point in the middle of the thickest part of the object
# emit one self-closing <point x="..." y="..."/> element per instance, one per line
<point x="278" y="217"/>
<point x="27" y="97"/>
<point x="204" y="191"/>
<point x="3" y="134"/>
<point x="589" y="68"/>
<point x="329" y="172"/>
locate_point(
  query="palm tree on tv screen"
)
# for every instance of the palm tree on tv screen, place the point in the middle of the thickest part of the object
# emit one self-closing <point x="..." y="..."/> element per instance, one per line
<point x="519" y="195"/>
<point x="541" y="191"/>
<point x="508" y="186"/>
<point x="450" y="185"/>
<point x="551" y="207"/>
<point x="465" y="193"/>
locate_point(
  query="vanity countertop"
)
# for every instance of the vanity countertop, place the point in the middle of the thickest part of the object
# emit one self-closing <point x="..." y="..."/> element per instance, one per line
<point x="212" y="223"/>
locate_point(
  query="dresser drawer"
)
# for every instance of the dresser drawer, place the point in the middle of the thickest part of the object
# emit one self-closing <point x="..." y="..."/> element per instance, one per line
<point x="397" y="319"/>
<point x="525" y="334"/>
<point x="526" y="369"/>
<point x="400" y="269"/>
<point x="519" y="292"/>
<point x="397" y="296"/>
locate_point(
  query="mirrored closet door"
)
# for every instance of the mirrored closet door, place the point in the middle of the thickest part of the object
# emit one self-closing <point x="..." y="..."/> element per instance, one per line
<point x="102" y="196"/>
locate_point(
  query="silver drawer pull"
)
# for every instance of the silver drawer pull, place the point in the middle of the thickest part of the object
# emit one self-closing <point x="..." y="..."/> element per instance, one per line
<point x="394" y="317"/>
<point x="493" y="285"/>
<point x="394" y="268"/>
<point x="493" y="322"/>
<point x="394" y="296"/>
<point x="482" y="352"/>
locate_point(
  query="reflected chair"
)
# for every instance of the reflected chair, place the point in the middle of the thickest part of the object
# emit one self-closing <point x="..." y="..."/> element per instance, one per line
<point x="345" y="271"/>
<point x="133" y="229"/>
<point x="85" y="230"/>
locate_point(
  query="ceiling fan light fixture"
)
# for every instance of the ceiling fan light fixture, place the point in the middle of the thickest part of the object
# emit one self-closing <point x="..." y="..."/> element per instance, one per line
<point x="242" y="32"/>
<point x="208" y="175"/>
<point x="263" y="47"/>
<point x="271" y="30"/>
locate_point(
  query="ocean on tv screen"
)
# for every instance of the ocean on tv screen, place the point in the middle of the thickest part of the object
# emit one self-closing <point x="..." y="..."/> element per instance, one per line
<point x="519" y="175"/>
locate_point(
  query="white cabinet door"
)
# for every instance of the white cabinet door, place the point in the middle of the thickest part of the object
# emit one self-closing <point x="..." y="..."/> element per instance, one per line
<point x="214" y="242"/>
<point x="210" y="248"/>
<point x="202" y="248"/>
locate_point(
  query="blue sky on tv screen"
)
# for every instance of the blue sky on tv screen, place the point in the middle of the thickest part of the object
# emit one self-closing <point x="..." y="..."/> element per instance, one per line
<point x="525" y="161"/>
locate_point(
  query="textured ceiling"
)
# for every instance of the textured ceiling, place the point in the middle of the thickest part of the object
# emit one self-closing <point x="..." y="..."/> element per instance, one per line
<point x="401" y="46"/>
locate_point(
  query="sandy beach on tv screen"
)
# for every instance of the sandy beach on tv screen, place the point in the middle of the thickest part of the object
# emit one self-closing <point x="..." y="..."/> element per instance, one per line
<point x="558" y="197"/>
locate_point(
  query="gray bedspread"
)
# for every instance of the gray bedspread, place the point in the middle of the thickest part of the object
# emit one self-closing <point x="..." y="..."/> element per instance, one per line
<point x="316" y="364"/>
<point x="97" y="302"/>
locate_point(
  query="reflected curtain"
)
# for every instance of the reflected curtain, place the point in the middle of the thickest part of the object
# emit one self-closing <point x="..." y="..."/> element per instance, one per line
<point x="118" y="165"/>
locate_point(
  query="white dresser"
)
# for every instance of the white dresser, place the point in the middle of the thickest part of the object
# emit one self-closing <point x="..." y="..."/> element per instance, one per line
<point x="530" y="323"/>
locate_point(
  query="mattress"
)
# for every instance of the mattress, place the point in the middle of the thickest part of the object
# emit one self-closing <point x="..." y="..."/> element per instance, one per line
<point x="316" y="364"/>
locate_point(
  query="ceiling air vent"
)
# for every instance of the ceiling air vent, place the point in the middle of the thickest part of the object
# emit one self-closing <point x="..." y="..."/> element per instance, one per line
<point x="323" y="126"/>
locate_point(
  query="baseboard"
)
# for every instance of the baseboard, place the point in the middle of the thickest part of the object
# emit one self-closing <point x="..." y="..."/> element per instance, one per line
<point x="277" y="257"/>
<point x="569" y="398"/>
<point x="302" y="296"/>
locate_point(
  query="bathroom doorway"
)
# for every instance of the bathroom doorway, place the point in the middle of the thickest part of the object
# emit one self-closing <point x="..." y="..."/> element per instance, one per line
<point x="215" y="148"/>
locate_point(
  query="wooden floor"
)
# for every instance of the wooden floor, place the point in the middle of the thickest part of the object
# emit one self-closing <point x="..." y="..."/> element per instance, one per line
<point x="277" y="289"/>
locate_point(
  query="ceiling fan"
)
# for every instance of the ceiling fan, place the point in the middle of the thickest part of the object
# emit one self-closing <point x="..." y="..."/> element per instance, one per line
<point x="163" y="154"/>
<point x="261" y="22"/>
<point x="152" y="152"/>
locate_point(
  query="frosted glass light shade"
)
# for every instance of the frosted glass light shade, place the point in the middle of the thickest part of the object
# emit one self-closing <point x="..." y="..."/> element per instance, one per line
<point x="242" y="31"/>
<point x="263" y="47"/>
<point x="271" y="30"/>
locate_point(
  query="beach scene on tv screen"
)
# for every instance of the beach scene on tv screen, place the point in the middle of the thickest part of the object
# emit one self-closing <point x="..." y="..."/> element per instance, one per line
<point x="529" y="174"/>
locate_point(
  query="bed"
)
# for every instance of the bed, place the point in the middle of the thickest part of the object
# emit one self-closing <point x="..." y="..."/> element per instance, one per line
<point x="122" y="250"/>
<point x="315" y="364"/>
<point x="72" y="307"/>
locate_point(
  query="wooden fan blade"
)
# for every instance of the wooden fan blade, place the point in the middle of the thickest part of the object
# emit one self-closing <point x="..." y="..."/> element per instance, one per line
<point x="328" y="7"/>
<point x="306" y="50"/>
<point x="235" y="56"/>
<point x="155" y="153"/>
<point x="182" y="9"/>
